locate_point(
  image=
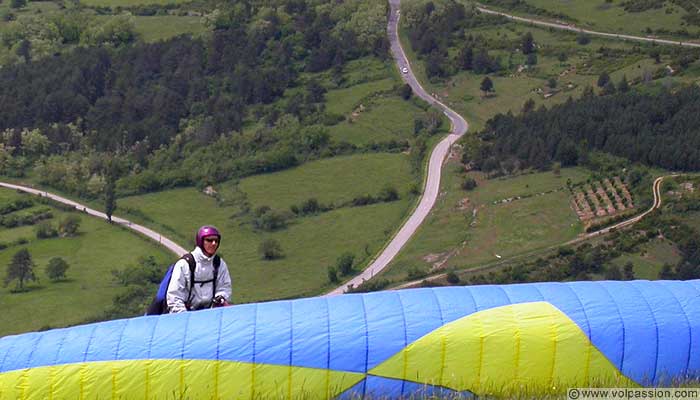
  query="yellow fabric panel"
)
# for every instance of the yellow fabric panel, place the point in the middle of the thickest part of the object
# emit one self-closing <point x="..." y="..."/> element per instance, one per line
<point x="524" y="348"/>
<point x="168" y="379"/>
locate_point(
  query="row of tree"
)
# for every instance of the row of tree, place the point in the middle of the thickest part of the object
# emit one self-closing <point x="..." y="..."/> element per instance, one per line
<point x="659" y="129"/>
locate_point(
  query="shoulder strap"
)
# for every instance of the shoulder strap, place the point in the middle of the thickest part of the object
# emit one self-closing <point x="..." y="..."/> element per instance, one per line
<point x="217" y="263"/>
<point x="192" y="264"/>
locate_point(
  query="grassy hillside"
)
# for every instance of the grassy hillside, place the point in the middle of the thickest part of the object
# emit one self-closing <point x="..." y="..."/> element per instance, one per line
<point x="467" y="229"/>
<point x="310" y="243"/>
<point x="98" y="249"/>
<point x="612" y="17"/>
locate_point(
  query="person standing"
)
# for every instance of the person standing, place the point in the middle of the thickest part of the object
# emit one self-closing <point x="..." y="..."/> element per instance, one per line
<point x="211" y="284"/>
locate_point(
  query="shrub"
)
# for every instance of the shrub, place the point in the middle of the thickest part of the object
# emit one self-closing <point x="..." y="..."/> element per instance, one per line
<point x="388" y="193"/>
<point x="344" y="263"/>
<point x="270" y="249"/>
<point x="69" y="226"/>
<point x="452" y="278"/>
<point x="56" y="269"/>
<point x="468" y="184"/>
<point x="45" y="230"/>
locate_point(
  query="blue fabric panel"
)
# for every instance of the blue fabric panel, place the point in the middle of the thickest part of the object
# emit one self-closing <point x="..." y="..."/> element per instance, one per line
<point x="455" y="302"/>
<point x="378" y="387"/>
<point x="522" y="293"/>
<point x="237" y="338"/>
<point x="689" y="298"/>
<point x="76" y="343"/>
<point x="273" y="333"/>
<point x="134" y="343"/>
<point x="166" y="336"/>
<point x="672" y="329"/>
<point x="7" y="344"/>
<point x="202" y="335"/>
<point x="421" y="311"/>
<point x="387" y="388"/>
<point x="310" y="333"/>
<point x="489" y="296"/>
<point x="107" y="340"/>
<point x="353" y="393"/>
<point x="604" y="318"/>
<point x="386" y="326"/>
<point x="42" y="350"/>
<point x="640" y="338"/>
<point x="561" y="296"/>
<point x="19" y="350"/>
<point x="348" y="333"/>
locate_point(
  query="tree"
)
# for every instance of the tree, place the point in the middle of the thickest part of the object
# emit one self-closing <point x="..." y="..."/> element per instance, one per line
<point x="110" y="189"/>
<point x="465" y="58"/>
<point x="623" y="86"/>
<point x="45" y="230"/>
<point x="406" y="91"/>
<point x="56" y="269"/>
<point x="612" y="273"/>
<point x="344" y="263"/>
<point x="468" y="184"/>
<point x="452" y="278"/>
<point x="552" y="83"/>
<point x="69" y="226"/>
<point x="608" y="89"/>
<point x="270" y="249"/>
<point x="562" y="57"/>
<point x="332" y="275"/>
<point x="629" y="271"/>
<point x="667" y="272"/>
<point x="528" y="44"/>
<point x="21" y="269"/>
<point x="583" y="39"/>
<point x="603" y="79"/>
<point x="531" y="59"/>
<point x="528" y="106"/>
<point x="486" y="85"/>
<point x="18" y="3"/>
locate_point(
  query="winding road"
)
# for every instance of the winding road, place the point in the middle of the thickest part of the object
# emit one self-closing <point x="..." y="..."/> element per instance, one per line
<point x="572" y="28"/>
<point x="432" y="182"/>
<point x="169" y="244"/>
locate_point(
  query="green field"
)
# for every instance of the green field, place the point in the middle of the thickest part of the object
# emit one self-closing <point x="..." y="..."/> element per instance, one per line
<point x="512" y="89"/>
<point x="157" y="28"/>
<point x="310" y="244"/>
<point x="98" y="249"/>
<point x="650" y="259"/>
<point x="161" y="27"/>
<point x="128" y="3"/>
<point x="453" y="235"/>
<point x="611" y="17"/>
<point x="385" y="119"/>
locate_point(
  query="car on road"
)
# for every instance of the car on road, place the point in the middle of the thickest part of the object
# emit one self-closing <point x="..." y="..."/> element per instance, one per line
<point x="404" y="70"/>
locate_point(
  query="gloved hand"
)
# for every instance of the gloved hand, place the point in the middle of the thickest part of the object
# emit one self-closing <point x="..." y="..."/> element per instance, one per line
<point x="220" y="301"/>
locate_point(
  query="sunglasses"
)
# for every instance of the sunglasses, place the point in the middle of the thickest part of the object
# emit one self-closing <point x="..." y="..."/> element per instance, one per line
<point x="210" y="240"/>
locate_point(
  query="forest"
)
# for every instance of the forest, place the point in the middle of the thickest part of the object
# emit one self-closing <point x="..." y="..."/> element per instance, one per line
<point x="658" y="129"/>
<point x="152" y="106"/>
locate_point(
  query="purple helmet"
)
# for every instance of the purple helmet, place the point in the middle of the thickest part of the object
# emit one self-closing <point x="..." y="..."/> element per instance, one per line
<point x="206" y="230"/>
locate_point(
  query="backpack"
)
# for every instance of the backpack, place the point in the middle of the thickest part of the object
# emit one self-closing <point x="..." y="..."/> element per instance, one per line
<point x="159" y="304"/>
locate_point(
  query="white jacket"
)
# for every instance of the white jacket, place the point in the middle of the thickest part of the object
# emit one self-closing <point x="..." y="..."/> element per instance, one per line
<point x="179" y="286"/>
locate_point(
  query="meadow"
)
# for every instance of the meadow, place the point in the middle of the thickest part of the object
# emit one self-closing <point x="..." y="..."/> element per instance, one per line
<point x="611" y="17"/>
<point x="87" y="292"/>
<point x="310" y="243"/>
<point x="467" y="229"/>
<point x="650" y="258"/>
